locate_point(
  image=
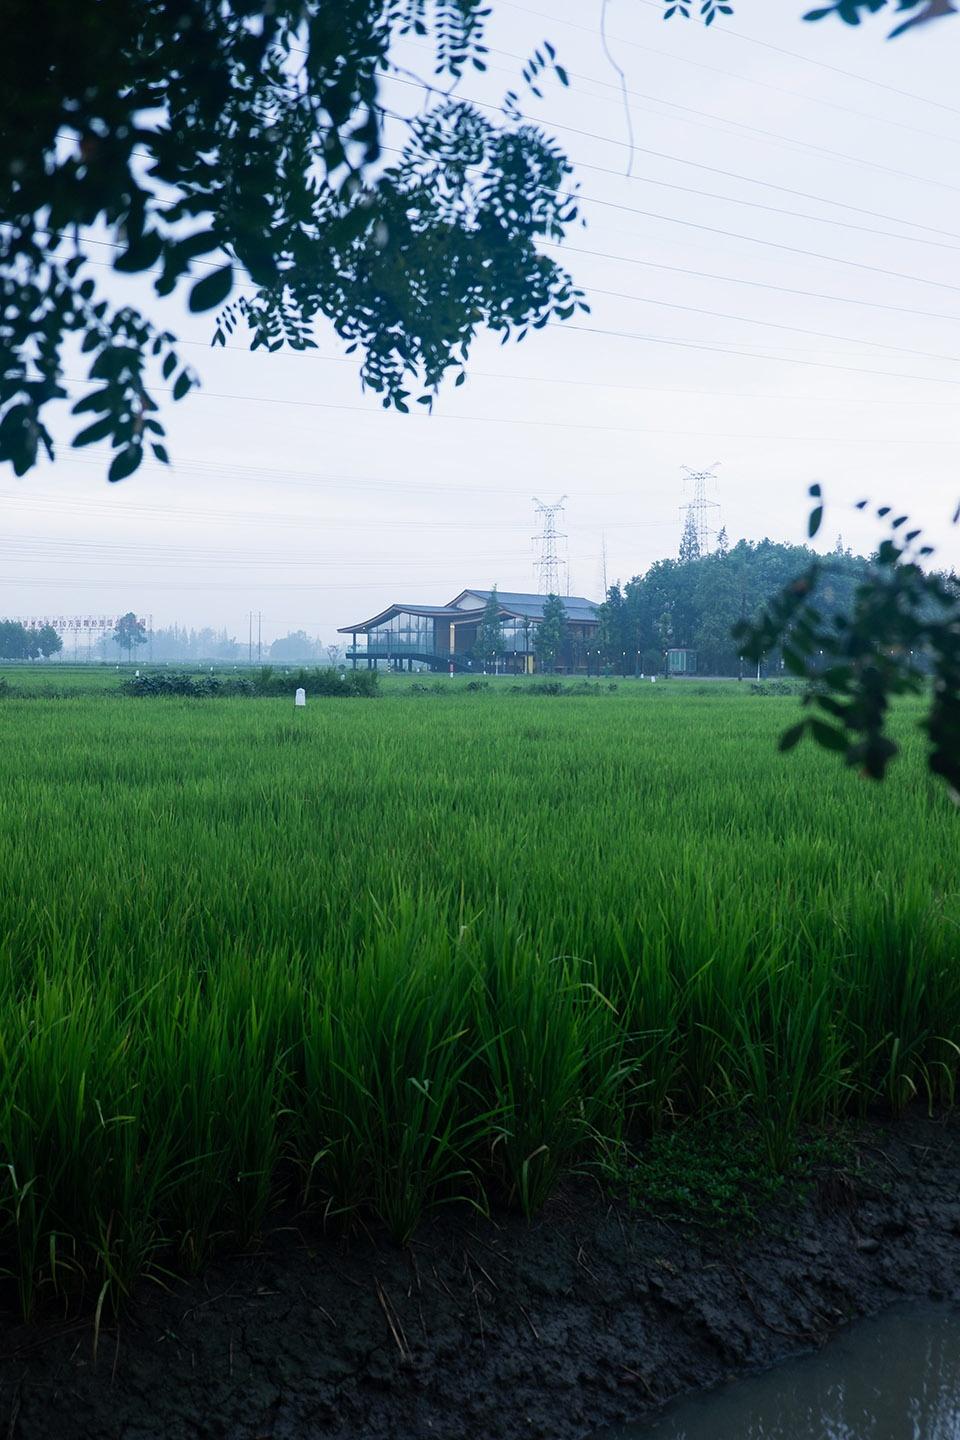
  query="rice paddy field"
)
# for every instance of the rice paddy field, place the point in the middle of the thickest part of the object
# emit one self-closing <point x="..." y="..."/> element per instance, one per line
<point x="378" y="955"/>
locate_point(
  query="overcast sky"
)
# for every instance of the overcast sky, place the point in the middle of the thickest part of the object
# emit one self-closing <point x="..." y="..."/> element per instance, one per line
<point x="294" y="494"/>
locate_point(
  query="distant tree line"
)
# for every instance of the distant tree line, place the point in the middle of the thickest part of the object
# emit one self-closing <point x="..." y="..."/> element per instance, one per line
<point x="18" y="642"/>
<point x="696" y="601"/>
<point x="191" y="644"/>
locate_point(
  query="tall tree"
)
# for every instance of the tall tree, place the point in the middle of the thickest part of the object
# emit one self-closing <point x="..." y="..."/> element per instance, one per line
<point x="15" y="641"/>
<point x="48" y="641"/>
<point x="664" y="629"/>
<point x="611" y="630"/>
<point x="689" y="540"/>
<point x="129" y="633"/>
<point x="216" y="142"/>
<point x="489" y="643"/>
<point x="551" y="633"/>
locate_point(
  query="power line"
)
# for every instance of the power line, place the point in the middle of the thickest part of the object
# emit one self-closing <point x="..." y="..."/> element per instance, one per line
<point x="771" y="324"/>
<point x="664" y="304"/>
<point x="507" y="375"/>
<point x="696" y="225"/>
<point x="770" y="135"/>
<point x="771" y="244"/>
<point x="694" y="164"/>
<point x="553" y="424"/>
<point x="750" y="40"/>
<point x="727" y="350"/>
<point x="754" y="284"/>
<point x="650" y="264"/>
<point x="729" y="75"/>
<point x="769" y="185"/>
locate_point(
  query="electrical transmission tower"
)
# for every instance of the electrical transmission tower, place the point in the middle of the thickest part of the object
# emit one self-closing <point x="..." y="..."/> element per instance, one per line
<point x="548" y="563"/>
<point x="698" y="511"/>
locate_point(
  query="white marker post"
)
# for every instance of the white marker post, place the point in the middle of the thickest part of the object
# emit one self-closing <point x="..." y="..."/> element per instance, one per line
<point x="300" y="698"/>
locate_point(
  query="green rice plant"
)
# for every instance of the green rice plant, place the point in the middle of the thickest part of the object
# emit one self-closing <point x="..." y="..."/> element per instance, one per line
<point x="639" y="981"/>
<point x="412" y="953"/>
<point x="79" y="1199"/>
<point x="902" y="1008"/>
<point x="383" y="1124"/>
<point x="785" y="1060"/>
<point x="552" y="1061"/>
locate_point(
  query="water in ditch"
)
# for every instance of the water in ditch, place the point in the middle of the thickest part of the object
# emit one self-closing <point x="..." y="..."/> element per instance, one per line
<point x="895" y="1377"/>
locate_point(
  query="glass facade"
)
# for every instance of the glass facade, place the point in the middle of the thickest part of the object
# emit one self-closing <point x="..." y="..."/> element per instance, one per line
<point x="448" y="635"/>
<point x="409" y="634"/>
<point x="518" y="635"/>
<point x="402" y="634"/>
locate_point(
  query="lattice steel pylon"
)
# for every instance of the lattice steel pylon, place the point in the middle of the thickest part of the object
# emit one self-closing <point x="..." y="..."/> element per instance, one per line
<point x="699" y="507"/>
<point x="548" y="563"/>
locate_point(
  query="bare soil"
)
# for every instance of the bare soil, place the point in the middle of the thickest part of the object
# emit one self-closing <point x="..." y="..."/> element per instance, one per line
<point x="495" y="1329"/>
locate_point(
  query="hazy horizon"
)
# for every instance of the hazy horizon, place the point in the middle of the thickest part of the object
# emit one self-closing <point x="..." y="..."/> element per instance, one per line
<point x="294" y="494"/>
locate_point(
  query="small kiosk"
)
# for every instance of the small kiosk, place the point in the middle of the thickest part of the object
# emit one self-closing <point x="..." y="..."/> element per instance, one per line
<point x="681" y="662"/>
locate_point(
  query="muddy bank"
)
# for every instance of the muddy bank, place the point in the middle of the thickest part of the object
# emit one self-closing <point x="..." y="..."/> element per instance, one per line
<point x="495" y="1330"/>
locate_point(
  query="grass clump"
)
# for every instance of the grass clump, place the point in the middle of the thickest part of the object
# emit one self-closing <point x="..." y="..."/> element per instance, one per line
<point x="718" y="1175"/>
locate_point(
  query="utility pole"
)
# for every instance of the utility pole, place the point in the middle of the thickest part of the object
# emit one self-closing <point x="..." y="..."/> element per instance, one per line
<point x="250" y="639"/>
<point x="699" y="507"/>
<point x="259" y="637"/>
<point x="548" y="563"/>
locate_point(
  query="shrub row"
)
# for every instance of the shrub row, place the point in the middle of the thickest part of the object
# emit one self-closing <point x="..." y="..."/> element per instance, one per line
<point x="266" y="682"/>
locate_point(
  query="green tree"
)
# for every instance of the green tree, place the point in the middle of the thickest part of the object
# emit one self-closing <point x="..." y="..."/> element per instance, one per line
<point x="295" y="646"/>
<point x="718" y="598"/>
<point x="689" y="541"/>
<point x="611" y="628"/>
<point x="212" y="143"/>
<point x="48" y="641"/>
<point x="664" y="629"/>
<point x="551" y="633"/>
<point x="130" y="632"/>
<point x="876" y="644"/>
<point x="15" y="641"/>
<point x="489" y="643"/>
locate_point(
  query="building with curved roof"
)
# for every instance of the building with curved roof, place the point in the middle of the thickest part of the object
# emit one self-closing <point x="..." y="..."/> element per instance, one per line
<point x="444" y="637"/>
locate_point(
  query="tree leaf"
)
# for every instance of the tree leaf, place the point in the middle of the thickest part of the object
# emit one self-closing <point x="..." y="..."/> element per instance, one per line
<point x="144" y="252"/>
<point x="96" y="400"/>
<point x="125" y="462"/>
<point x="791" y="737"/>
<point x="99" y="430"/>
<point x="828" y="735"/>
<point x="212" y="290"/>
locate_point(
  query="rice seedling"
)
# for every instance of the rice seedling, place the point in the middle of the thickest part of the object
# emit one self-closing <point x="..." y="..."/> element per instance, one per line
<point x="439" y="946"/>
